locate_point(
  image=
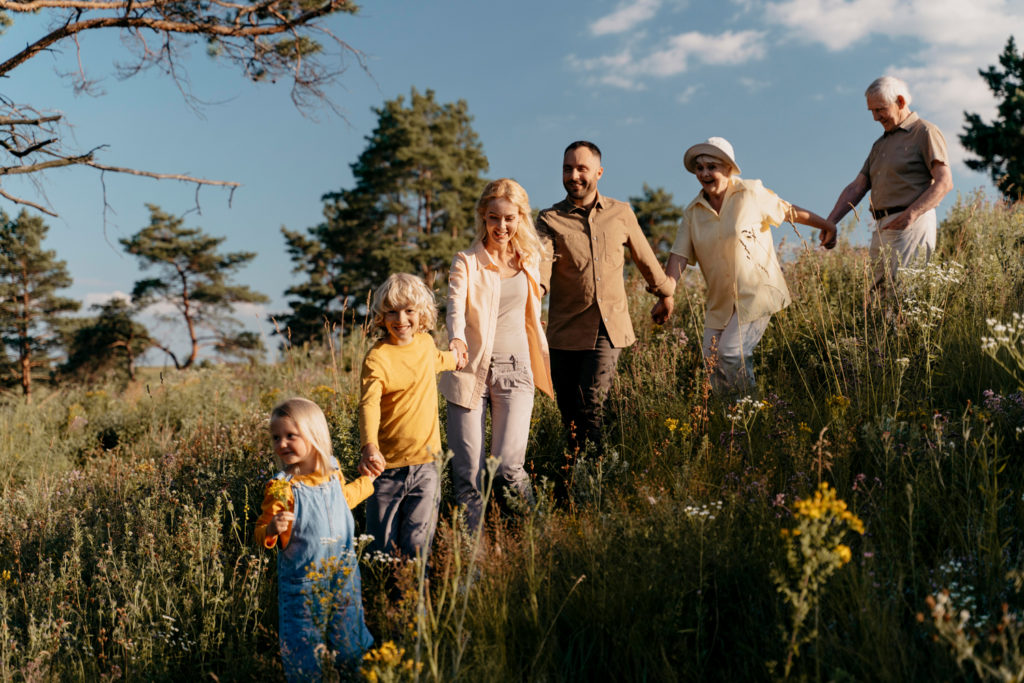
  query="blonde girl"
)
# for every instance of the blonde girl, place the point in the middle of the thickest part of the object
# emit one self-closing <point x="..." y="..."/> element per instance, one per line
<point x="495" y="331"/>
<point x="306" y="516"/>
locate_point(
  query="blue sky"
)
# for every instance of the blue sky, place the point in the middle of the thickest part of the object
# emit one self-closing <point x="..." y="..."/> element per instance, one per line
<point x="644" y="79"/>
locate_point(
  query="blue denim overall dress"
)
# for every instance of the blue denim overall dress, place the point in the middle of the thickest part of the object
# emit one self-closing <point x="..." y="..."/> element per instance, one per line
<point x="318" y="582"/>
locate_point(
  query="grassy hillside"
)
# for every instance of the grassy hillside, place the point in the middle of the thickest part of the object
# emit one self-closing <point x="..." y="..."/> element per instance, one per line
<point x="695" y="550"/>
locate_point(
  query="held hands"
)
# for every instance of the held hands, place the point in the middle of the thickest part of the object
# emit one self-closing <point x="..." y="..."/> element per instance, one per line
<point x="372" y="463"/>
<point x="662" y="310"/>
<point x="280" y="522"/>
<point x="461" y="351"/>
<point x="828" y="235"/>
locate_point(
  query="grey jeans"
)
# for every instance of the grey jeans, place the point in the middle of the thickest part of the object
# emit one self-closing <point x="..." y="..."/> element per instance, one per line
<point x="401" y="515"/>
<point x="508" y="394"/>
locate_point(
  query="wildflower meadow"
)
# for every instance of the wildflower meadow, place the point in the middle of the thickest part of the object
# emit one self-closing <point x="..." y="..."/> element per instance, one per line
<point x="859" y="517"/>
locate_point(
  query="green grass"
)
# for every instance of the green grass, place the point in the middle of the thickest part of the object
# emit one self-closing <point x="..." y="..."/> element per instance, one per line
<point x="126" y="512"/>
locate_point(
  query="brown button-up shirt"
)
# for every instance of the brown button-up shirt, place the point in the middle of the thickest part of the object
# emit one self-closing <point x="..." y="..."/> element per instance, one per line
<point x="899" y="166"/>
<point x="585" y="277"/>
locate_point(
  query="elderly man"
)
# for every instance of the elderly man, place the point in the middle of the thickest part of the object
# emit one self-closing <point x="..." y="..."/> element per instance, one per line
<point x="908" y="174"/>
<point x="588" y="321"/>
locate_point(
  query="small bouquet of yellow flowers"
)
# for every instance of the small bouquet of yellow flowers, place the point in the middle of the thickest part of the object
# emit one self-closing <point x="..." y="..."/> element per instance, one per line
<point x="279" y="490"/>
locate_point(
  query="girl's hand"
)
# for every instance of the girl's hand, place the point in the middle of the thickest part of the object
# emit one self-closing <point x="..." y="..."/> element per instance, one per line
<point x="461" y="351"/>
<point x="280" y="522"/>
<point x="372" y="463"/>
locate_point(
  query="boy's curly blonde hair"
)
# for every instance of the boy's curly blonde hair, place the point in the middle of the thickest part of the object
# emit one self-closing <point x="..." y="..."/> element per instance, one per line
<point x="399" y="291"/>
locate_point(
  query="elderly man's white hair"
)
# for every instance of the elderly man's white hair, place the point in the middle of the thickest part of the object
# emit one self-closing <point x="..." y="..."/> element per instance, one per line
<point x="889" y="88"/>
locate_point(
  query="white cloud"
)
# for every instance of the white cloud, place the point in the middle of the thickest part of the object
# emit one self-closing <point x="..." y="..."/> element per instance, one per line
<point x="626" y="17"/>
<point x="103" y="297"/>
<point x="687" y="94"/>
<point x="753" y="85"/>
<point x="674" y="56"/>
<point x="838" y="24"/>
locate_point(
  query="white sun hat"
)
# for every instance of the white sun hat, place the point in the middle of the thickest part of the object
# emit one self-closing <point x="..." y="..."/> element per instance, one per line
<point x="716" y="147"/>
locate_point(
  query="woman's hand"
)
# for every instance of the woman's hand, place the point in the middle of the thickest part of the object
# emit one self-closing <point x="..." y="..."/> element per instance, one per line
<point x="461" y="351"/>
<point x="280" y="522"/>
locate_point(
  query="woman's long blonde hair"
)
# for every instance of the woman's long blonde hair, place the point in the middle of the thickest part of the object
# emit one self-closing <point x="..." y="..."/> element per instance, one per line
<point x="525" y="241"/>
<point x="312" y="426"/>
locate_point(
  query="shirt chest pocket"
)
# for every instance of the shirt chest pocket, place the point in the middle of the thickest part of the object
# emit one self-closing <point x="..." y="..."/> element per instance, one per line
<point x="611" y="245"/>
<point x="574" y="247"/>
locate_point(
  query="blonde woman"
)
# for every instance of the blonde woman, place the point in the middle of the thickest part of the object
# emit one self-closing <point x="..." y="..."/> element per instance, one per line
<point x="725" y="230"/>
<point x="501" y="353"/>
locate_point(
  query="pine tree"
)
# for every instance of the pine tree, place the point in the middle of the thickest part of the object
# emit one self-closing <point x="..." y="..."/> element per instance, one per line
<point x="29" y="305"/>
<point x="999" y="145"/>
<point x="194" y="278"/>
<point x="109" y="343"/>
<point x="411" y="209"/>
<point x="658" y="216"/>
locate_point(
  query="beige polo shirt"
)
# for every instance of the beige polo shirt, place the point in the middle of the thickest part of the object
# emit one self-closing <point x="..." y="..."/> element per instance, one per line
<point x="899" y="166"/>
<point x="585" y="277"/>
<point x="735" y="251"/>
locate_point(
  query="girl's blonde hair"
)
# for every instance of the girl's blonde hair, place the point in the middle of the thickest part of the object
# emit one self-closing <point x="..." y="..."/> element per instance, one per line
<point x="312" y="426"/>
<point x="402" y="290"/>
<point x="525" y="241"/>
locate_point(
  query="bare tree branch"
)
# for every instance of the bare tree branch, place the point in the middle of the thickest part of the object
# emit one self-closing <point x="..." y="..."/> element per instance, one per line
<point x="19" y="200"/>
<point x="266" y="39"/>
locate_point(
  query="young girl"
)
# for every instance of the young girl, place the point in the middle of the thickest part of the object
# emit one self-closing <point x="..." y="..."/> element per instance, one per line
<point x="306" y="515"/>
<point x="398" y="420"/>
<point x="494" y="328"/>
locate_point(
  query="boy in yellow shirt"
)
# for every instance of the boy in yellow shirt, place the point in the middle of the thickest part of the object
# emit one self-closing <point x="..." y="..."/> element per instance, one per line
<point x="398" y="419"/>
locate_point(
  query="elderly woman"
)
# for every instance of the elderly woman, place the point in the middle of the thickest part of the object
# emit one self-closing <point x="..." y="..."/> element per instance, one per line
<point x="500" y="349"/>
<point x="725" y="230"/>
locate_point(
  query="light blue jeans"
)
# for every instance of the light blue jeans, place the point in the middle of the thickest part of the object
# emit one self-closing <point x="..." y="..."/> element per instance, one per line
<point x="319" y="595"/>
<point x="508" y="395"/>
<point x="729" y="353"/>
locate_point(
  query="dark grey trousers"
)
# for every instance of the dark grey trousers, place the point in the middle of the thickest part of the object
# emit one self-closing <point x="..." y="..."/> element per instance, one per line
<point x="401" y="515"/>
<point x="582" y="380"/>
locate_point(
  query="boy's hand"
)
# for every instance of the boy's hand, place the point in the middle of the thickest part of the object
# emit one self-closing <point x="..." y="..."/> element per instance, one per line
<point x="280" y="522"/>
<point x="372" y="463"/>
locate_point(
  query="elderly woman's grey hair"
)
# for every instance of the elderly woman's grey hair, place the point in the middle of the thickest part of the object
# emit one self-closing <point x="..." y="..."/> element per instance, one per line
<point x="889" y="88"/>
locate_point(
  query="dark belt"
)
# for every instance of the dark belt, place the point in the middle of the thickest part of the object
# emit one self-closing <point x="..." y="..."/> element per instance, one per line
<point x="882" y="213"/>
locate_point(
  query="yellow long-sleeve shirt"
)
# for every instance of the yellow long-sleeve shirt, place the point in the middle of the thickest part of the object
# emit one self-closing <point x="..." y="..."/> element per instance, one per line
<point x="398" y="404"/>
<point x="356" y="491"/>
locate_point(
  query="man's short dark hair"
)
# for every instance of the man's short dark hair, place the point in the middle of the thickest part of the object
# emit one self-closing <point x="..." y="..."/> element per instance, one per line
<point x="583" y="143"/>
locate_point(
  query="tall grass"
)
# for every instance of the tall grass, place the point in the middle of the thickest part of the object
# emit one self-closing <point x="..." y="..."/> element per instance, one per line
<point x="126" y="512"/>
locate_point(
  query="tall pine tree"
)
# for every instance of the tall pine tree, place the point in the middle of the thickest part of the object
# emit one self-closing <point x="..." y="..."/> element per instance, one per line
<point x="999" y="145"/>
<point x="29" y="305"/>
<point x="194" y="278"/>
<point x="410" y="210"/>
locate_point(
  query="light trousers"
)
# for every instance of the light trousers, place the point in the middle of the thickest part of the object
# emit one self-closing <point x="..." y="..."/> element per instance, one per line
<point x="729" y="353"/>
<point x="508" y="395"/>
<point x="891" y="250"/>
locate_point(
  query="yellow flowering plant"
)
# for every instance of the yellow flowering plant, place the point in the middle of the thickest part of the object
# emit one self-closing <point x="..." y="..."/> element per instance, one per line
<point x="814" y="551"/>
<point x="280" y="490"/>
<point x="388" y="664"/>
